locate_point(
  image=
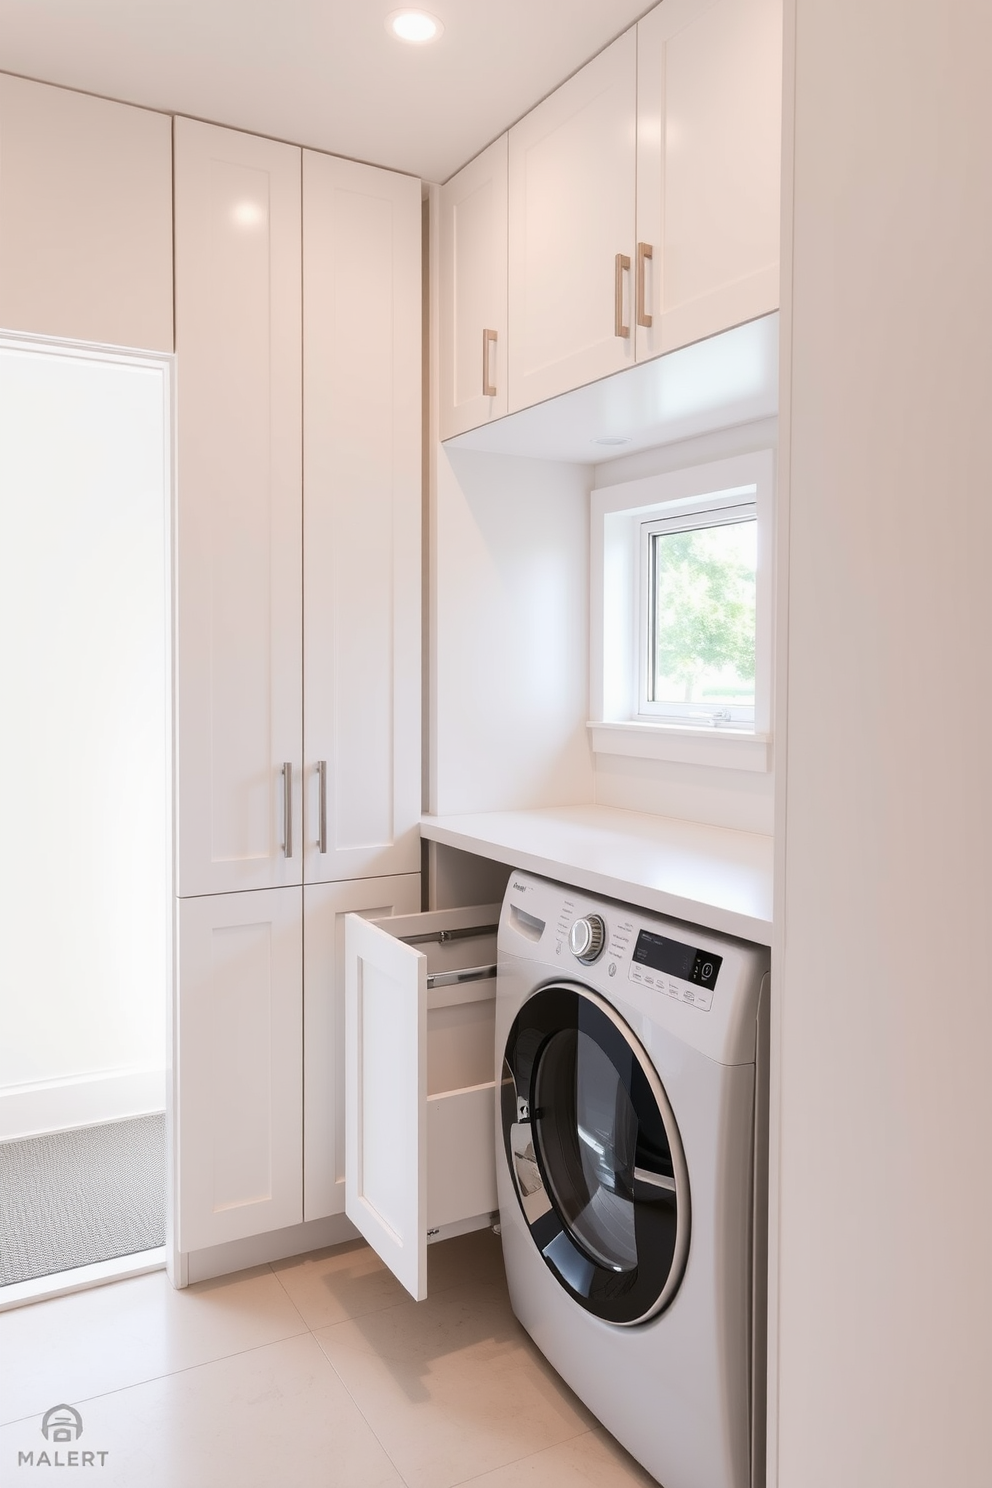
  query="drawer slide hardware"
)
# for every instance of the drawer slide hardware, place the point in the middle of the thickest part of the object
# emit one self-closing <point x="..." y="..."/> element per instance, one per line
<point x="444" y="937"/>
<point x="455" y="978"/>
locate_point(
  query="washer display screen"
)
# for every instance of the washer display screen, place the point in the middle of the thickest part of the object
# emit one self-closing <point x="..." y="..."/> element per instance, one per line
<point x="678" y="960"/>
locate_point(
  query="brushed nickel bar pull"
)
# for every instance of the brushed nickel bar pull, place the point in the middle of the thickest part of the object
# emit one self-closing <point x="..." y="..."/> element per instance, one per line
<point x="622" y="267"/>
<point x="644" y="251"/>
<point x="488" y="386"/>
<point x="287" y="807"/>
<point x="322" y="806"/>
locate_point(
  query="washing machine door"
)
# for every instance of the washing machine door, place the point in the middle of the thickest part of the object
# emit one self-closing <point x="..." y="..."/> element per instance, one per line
<point x="594" y="1153"/>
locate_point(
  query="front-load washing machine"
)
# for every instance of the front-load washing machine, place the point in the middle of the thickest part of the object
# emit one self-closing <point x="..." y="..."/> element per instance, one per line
<point x="630" y="1143"/>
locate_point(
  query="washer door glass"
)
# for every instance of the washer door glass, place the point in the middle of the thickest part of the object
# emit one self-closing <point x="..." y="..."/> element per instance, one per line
<point x="588" y="1140"/>
<point x="595" y="1155"/>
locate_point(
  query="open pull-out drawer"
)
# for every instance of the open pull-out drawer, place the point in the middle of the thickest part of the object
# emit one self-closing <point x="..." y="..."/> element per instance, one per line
<point x="420" y="1003"/>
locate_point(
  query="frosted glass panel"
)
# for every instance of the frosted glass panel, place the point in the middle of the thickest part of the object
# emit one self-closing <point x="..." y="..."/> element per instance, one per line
<point x="83" y="683"/>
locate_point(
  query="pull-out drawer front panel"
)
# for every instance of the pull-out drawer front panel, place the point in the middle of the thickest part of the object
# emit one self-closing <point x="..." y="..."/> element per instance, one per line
<point x="419" y="1080"/>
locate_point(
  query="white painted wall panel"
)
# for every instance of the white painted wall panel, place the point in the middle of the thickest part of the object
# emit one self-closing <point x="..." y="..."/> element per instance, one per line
<point x="511" y="634"/>
<point x="884" y="1288"/>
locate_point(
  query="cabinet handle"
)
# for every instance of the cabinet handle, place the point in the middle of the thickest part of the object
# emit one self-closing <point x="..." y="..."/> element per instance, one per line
<point x="287" y="807"/>
<point x="622" y="266"/>
<point x="322" y="806"/>
<point x="644" y="250"/>
<point x="488" y="386"/>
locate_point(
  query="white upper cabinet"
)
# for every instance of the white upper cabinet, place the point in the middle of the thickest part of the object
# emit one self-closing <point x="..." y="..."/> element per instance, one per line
<point x="85" y="217"/>
<point x="709" y="105"/>
<point x="642" y="202"/>
<point x="362" y="418"/>
<point x="473" y="293"/>
<point x="239" y="659"/>
<point x="571" y="231"/>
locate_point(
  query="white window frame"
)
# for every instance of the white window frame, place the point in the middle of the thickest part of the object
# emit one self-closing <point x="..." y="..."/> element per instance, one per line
<point x="621" y="721"/>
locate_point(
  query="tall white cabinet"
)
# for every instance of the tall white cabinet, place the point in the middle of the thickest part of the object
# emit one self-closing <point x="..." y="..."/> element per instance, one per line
<point x="298" y="657"/>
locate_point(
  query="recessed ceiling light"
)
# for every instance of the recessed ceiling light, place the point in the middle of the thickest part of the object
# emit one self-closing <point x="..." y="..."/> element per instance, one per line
<point x="611" y="439"/>
<point x="413" y="25"/>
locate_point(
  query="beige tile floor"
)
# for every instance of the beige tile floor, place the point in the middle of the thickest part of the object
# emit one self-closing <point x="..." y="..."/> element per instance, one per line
<point x="318" y="1372"/>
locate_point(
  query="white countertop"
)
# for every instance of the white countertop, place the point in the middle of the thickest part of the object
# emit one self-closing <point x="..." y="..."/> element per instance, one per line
<point x="711" y="876"/>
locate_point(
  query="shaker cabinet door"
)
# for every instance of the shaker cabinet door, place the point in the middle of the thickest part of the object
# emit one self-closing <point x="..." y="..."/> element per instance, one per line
<point x="239" y="1049"/>
<point x="325" y="908"/>
<point x="571" y="231"/>
<point x="239" y="662"/>
<point x="362" y="519"/>
<point x="472" y="308"/>
<point x="709" y="118"/>
<point x="420" y="1081"/>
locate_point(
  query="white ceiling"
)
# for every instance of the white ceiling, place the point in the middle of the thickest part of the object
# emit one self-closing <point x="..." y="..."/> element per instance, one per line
<point x="322" y="73"/>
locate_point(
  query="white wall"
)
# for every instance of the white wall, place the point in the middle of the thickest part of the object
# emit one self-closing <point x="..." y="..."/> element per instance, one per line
<point x="884" y="1229"/>
<point x="742" y="799"/>
<point x="509" y="669"/>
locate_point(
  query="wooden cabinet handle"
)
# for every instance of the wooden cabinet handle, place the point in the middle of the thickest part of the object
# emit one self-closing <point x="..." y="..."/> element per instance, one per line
<point x="644" y="250"/>
<point x="622" y="266"/>
<point x="488" y="386"/>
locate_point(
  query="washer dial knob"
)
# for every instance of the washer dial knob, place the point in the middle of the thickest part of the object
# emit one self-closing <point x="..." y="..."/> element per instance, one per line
<point x="586" y="938"/>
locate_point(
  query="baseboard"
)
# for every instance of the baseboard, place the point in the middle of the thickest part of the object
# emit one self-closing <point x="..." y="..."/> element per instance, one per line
<point x="86" y="1100"/>
<point x="81" y="1278"/>
<point x="276" y="1245"/>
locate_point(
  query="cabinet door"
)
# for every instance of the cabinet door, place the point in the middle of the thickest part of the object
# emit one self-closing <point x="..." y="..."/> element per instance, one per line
<point x="709" y="108"/>
<point x="362" y="518"/>
<point x="473" y="293"/>
<point x="419" y="1081"/>
<point x="85" y="217"/>
<point x="239" y="663"/>
<point x="386" y="1096"/>
<point x="239" y="1057"/>
<point x="571" y="229"/>
<point x="324" y="909"/>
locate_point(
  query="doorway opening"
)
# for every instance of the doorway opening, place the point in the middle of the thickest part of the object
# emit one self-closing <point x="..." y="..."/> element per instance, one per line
<point x="85" y="760"/>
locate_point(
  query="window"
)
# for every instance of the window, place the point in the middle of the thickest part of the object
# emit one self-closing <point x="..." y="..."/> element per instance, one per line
<point x="697" y="626"/>
<point x="681" y="608"/>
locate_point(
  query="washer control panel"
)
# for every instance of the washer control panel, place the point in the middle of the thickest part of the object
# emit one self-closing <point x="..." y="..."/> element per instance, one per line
<point x="659" y="963"/>
<point x="679" y="970"/>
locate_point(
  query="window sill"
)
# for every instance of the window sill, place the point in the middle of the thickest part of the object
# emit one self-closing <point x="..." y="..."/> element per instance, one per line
<point x="729" y="748"/>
